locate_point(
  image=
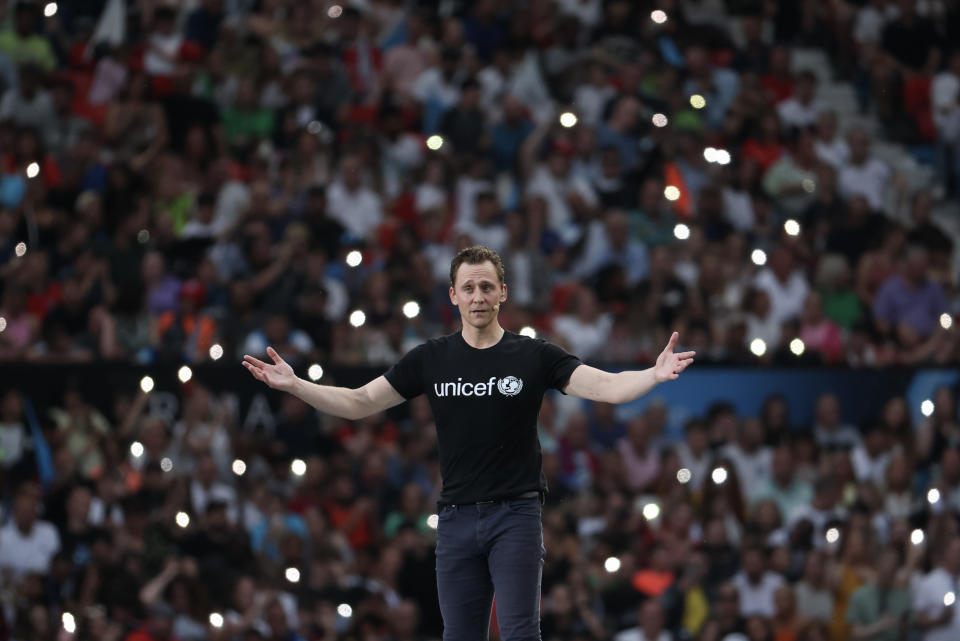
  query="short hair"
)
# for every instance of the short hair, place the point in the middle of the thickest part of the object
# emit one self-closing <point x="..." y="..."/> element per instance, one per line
<point x="475" y="255"/>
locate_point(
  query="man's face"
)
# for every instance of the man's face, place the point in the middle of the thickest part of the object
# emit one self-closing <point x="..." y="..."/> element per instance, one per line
<point x="478" y="292"/>
<point x="25" y="511"/>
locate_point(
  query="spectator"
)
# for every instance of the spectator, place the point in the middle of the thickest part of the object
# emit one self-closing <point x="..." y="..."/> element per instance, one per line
<point x="814" y="598"/>
<point x="27" y="544"/>
<point x="908" y="304"/>
<point x="864" y="175"/>
<point x="933" y="616"/>
<point x="786" y="286"/>
<point x="787" y="491"/>
<point x="29" y="104"/>
<point x="802" y="109"/>
<point x="879" y="611"/>
<point x="23" y="44"/>
<point x="945" y="99"/>
<point x="353" y="204"/>
<point x="830" y="432"/>
<point x="756" y="585"/>
<point x="650" y="625"/>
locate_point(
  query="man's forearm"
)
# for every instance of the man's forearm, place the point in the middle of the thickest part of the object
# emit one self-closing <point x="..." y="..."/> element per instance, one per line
<point x="337" y="401"/>
<point x="630" y="385"/>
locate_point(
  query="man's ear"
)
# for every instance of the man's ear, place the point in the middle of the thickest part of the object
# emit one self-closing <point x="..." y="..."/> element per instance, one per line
<point x="503" y="294"/>
<point x="453" y="296"/>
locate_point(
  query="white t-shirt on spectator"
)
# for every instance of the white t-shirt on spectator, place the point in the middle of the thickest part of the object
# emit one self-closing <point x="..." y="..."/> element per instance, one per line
<point x="13" y="441"/>
<point x="757" y="599"/>
<point x="162" y="51"/>
<point x="589" y="101"/>
<point x="869" y="180"/>
<point x="786" y="299"/>
<point x="21" y="554"/>
<point x="584" y="339"/>
<point x="945" y="99"/>
<point x="869" y="469"/>
<point x="588" y="12"/>
<point x="636" y="634"/>
<point x="835" y="153"/>
<point x="359" y="211"/>
<point x="794" y="113"/>
<point x="554" y="191"/>
<point x="738" y="209"/>
<point x="869" y="23"/>
<point x="928" y="599"/>
<point x="752" y="467"/>
<point x="432" y="85"/>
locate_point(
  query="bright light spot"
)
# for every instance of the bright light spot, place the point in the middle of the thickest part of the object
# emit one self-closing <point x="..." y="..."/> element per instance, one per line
<point x="792" y="227"/>
<point x="354" y="258"/>
<point x="3" y="324"/>
<point x="659" y="120"/>
<point x="758" y="347"/>
<point x="69" y="623"/>
<point x="659" y="16"/>
<point x="335" y="11"/>
<point x="759" y="257"/>
<point x="184" y="374"/>
<point x="411" y="309"/>
<point x="216" y="351"/>
<point x="710" y="154"/>
<point x="298" y="467"/>
<point x="808" y="185"/>
<point x="697" y="101"/>
<point x="315" y="372"/>
<point x="146" y="384"/>
<point x="183" y="519"/>
<point x="357" y="318"/>
<point x="797" y="347"/>
<point x="926" y="407"/>
<point x="933" y="496"/>
<point x="216" y="619"/>
<point x="568" y="119"/>
<point x="432" y="521"/>
<point x="345" y="610"/>
<point x="239" y="467"/>
<point x="293" y="575"/>
<point x="612" y="564"/>
<point x="683" y="475"/>
<point x="166" y="464"/>
<point x="949" y="598"/>
<point x="833" y="535"/>
<point x="143" y="236"/>
<point x="681" y="231"/>
<point x="20" y="249"/>
<point x="723" y="157"/>
<point x="528" y="331"/>
<point x="136" y="448"/>
<point x="314" y="127"/>
<point x="946" y="321"/>
<point x="719" y="475"/>
<point x="916" y="537"/>
<point x="50" y="10"/>
<point x="670" y="192"/>
<point x="651" y="511"/>
<point x="33" y="170"/>
<point x="434" y="142"/>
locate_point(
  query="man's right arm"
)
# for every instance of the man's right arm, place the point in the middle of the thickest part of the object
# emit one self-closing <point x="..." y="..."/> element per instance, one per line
<point x="376" y="396"/>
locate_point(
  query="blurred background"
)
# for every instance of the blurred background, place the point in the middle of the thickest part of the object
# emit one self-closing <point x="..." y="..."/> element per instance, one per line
<point x="184" y="182"/>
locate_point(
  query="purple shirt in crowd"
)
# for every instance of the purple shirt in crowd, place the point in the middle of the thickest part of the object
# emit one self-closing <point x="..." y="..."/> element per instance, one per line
<point x="165" y="296"/>
<point x="920" y="308"/>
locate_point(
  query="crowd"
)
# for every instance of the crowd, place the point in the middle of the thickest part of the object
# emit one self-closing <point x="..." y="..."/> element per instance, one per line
<point x="194" y="180"/>
<point x="236" y="172"/>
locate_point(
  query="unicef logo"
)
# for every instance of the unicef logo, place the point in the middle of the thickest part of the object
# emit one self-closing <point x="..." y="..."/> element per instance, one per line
<point x="510" y="385"/>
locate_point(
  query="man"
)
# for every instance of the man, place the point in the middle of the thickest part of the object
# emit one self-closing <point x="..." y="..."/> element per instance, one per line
<point x="933" y="609"/>
<point x="485" y="386"/>
<point x="27" y="544"/>
<point x="879" y="610"/>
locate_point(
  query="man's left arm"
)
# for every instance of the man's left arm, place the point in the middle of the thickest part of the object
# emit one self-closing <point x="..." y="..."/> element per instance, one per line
<point x="597" y="385"/>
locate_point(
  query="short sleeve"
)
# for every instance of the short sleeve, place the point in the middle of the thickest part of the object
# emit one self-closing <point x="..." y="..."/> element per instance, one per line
<point x="558" y="365"/>
<point x="406" y="375"/>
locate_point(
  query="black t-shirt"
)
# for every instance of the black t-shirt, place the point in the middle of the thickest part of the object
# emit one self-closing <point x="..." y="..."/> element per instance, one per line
<point x="485" y="403"/>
